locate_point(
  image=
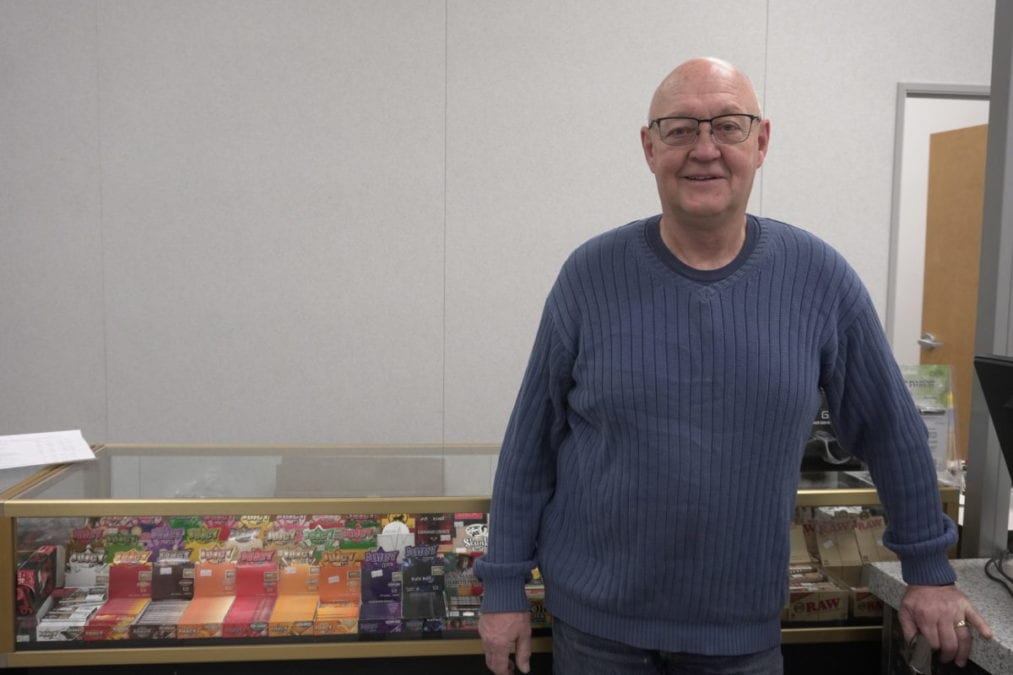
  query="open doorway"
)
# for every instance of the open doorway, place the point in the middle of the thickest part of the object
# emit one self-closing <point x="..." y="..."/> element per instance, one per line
<point x="922" y="110"/>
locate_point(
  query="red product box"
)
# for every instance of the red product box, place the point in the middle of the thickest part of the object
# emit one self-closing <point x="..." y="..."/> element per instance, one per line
<point x="39" y="572"/>
<point x="249" y="617"/>
<point x="113" y="619"/>
<point x="257" y="574"/>
<point x="130" y="575"/>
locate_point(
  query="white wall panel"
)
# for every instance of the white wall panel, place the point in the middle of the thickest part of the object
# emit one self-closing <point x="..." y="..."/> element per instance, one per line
<point x="51" y="309"/>
<point x="274" y="220"/>
<point x="832" y="79"/>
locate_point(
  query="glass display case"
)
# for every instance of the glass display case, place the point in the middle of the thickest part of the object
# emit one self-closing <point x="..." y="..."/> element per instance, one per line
<point x="152" y="554"/>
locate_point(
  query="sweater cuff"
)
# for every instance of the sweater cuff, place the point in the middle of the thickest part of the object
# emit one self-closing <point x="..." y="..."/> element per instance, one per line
<point x="934" y="570"/>
<point x="504" y="595"/>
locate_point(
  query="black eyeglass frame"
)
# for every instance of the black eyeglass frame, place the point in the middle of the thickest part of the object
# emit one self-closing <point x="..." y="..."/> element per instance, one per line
<point x="656" y="122"/>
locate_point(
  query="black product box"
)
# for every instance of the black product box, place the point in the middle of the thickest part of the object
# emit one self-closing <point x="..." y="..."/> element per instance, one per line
<point x="172" y="576"/>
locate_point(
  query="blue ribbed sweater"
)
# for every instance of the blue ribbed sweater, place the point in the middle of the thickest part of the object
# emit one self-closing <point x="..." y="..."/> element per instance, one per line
<point x="650" y="465"/>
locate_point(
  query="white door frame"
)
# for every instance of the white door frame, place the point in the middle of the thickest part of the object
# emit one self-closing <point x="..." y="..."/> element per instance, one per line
<point x="907" y="227"/>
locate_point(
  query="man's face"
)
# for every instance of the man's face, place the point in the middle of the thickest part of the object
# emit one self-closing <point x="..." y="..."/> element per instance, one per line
<point x="705" y="183"/>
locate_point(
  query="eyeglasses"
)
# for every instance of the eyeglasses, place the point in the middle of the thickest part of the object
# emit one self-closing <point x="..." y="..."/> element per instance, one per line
<point x="725" y="129"/>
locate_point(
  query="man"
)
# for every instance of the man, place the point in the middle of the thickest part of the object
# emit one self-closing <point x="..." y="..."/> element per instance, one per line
<point x="650" y="465"/>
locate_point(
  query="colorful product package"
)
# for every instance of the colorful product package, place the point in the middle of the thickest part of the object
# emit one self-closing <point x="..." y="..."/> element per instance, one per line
<point x="340" y="589"/>
<point x="163" y="538"/>
<point x="72" y="609"/>
<point x="130" y="575"/>
<point x="358" y="532"/>
<point x="296" y="606"/>
<point x="381" y="577"/>
<point x="112" y="621"/>
<point x="86" y="560"/>
<point x="214" y="592"/>
<point x="173" y="576"/>
<point x="336" y="618"/>
<point x="159" y="621"/>
<point x="129" y="596"/>
<point x="39" y="572"/>
<point x="256" y="592"/>
<point x="471" y="533"/>
<point x="379" y="618"/>
<point x="464" y="591"/>
<point x="434" y="529"/>
<point x="200" y="539"/>
<point x="340" y="577"/>
<point x="423" y="586"/>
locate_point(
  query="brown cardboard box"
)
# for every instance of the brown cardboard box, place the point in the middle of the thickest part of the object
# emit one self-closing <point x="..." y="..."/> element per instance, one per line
<point x="862" y="603"/>
<point x="836" y="542"/>
<point x="816" y="602"/>
<point x="855" y="541"/>
<point x="799" y="546"/>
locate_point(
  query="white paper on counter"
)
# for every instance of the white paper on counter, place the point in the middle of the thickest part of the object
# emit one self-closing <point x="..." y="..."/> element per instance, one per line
<point x="55" y="447"/>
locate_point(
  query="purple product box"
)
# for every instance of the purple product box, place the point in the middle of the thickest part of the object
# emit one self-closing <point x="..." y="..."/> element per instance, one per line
<point x="380" y="617"/>
<point x="381" y="582"/>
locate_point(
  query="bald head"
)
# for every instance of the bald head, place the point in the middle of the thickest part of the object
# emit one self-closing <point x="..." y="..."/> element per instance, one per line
<point x="703" y="76"/>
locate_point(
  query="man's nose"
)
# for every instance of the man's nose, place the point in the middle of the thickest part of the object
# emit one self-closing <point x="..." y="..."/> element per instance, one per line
<point x="705" y="146"/>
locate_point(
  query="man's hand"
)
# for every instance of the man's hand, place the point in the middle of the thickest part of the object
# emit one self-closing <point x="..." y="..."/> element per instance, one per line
<point x="504" y="633"/>
<point x="944" y="616"/>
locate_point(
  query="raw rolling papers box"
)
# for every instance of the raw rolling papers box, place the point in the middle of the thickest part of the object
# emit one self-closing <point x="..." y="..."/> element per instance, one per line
<point x="845" y="568"/>
<point x="817" y="602"/>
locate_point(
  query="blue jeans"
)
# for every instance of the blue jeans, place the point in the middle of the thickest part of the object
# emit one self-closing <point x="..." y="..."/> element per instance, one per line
<point x="577" y="653"/>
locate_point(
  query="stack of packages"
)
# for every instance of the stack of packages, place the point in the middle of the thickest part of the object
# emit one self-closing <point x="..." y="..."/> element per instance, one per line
<point x="295" y="609"/>
<point x="39" y="575"/>
<point x="129" y="595"/>
<point x="213" y="594"/>
<point x="828" y="550"/>
<point x="171" y="592"/>
<point x="256" y="592"/>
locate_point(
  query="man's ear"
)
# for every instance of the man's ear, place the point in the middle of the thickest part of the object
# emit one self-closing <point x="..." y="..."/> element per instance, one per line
<point x="647" y="142"/>
<point x="763" y="140"/>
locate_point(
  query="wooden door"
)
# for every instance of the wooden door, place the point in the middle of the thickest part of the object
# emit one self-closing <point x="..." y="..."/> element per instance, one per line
<point x="956" y="192"/>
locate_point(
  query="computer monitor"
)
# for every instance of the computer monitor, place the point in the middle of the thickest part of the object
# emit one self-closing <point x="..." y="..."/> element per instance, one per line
<point x="995" y="373"/>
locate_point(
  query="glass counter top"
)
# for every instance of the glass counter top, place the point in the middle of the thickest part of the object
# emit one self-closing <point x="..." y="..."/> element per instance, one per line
<point x="187" y="472"/>
<point x="130" y="472"/>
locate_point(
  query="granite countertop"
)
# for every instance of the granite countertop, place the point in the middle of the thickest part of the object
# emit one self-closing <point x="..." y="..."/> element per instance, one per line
<point x="987" y="596"/>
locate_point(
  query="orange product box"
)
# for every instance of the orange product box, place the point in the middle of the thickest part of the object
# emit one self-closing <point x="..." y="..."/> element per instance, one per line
<point x="214" y="591"/>
<point x="214" y="579"/>
<point x="113" y="619"/>
<point x="337" y="618"/>
<point x="296" y="606"/>
<point x="299" y="579"/>
<point x="205" y="617"/>
<point x="340" y="578"/>
<point x="293" y="615"/>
